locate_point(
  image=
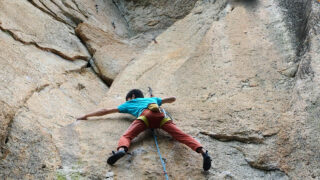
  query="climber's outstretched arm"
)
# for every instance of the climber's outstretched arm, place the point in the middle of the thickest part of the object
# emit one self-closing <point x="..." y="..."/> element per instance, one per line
<point x="100" y="112"/>
<point x="168" y="100"/>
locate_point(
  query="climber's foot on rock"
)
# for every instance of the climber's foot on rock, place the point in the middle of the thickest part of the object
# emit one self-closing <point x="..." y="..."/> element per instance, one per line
<point x="115" y="157"/>
<point x="206" y="161"/>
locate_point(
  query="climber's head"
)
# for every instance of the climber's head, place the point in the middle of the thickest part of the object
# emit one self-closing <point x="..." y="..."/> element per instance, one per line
<point x="134" y="93"/>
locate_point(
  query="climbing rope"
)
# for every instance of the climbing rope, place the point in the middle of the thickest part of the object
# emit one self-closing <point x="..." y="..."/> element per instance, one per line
<point x="155" y="140"/>
<point x="162" y="162"/>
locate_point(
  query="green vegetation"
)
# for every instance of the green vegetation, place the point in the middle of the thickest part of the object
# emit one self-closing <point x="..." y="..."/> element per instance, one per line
<point x="61" y="176"/>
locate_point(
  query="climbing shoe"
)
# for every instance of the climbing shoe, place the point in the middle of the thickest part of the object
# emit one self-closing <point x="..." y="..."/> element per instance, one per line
<point x="115" y="156"/>
<point x="206" y="161"/>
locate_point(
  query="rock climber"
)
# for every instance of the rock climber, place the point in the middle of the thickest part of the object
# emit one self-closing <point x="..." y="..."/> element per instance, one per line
<point x="148" y="115"/>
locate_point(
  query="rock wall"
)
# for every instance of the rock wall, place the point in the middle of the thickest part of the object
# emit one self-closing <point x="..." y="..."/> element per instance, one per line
<point x="245" y="74"/>
<point x="153" y="15"/>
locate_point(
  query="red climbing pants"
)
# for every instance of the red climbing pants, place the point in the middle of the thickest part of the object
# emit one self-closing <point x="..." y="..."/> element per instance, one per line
<point x="139" y="126"/>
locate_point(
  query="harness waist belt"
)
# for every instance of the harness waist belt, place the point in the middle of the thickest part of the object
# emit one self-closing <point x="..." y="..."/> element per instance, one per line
<point x="145" y="120"/>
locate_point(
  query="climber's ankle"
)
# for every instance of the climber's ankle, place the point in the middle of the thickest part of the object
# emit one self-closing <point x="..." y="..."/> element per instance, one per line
<point x="200" y="150"/>
<point x="122" y="148"/>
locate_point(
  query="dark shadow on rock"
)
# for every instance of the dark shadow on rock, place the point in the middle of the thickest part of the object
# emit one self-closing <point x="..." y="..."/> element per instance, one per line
<point x="296" y="17"/>
<point x="249" y="4"/>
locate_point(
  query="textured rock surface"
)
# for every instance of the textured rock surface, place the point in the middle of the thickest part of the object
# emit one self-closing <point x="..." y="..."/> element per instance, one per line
<point x="40" y="93"/>
<point x="29" y="25"/>
<point x="299" y="142"/>
<point x="110" y="53"/>
<point x="99" y="13"/>
<point x="245" y="74"/>
<point x="153" y="15"/>
<point x="224" y="76"/>
<point x="6" y="116"/>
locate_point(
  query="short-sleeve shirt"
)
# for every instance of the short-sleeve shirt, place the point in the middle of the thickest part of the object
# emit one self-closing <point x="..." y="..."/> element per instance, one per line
<point x="136" y="106"/>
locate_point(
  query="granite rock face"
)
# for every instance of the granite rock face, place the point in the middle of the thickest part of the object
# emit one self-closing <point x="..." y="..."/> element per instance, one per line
<point x="154" y="15"/>
<point x="245" y="74"/>
<point x="29" y="25"/>
<point x="100" y="13"/>
<point x="110" y="52"/>
<point x="299" y="141"/>
<point x="40" y="93"/>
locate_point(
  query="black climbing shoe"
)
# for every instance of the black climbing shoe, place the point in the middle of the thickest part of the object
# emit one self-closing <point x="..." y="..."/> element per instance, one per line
<point x="206" y="161"/>
<point x="115" y="157"/>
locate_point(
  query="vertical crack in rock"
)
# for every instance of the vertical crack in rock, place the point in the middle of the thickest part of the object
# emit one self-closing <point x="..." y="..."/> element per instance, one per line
<point x="109" y="52"/>
<point x="16" y="112"/>
<point x="52" y="14"/>
<point x="90" y="63"/>
<point x="96" y="71"/>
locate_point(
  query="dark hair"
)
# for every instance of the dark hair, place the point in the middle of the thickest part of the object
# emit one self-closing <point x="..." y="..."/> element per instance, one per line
<point x="136" y="92"/>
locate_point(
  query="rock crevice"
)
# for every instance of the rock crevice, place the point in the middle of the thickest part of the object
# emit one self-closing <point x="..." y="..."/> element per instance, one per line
<point x="47" y="11"/>
<point x="256" y="139"/>
<point x="54" y="51"/>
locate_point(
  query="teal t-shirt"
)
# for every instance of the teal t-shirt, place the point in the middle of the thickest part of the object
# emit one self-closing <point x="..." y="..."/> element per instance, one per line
<point x="136" y="106"/>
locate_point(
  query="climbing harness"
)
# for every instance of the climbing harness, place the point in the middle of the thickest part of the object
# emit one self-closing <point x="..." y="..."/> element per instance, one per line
<point x="162" y="119"/>
<point x="155" y="140"/>
<point x="166" y="114"/>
